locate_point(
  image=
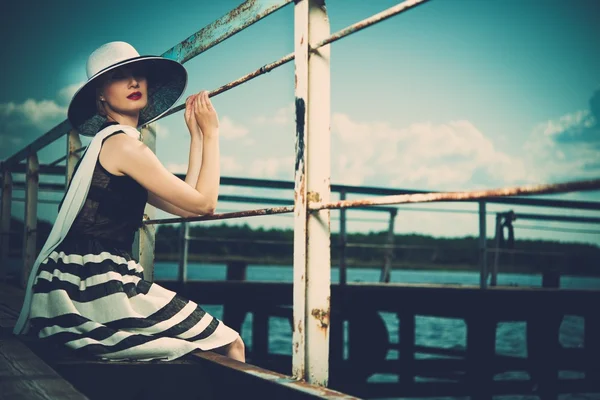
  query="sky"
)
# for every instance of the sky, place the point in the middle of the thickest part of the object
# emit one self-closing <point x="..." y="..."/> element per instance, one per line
<point x="451" y="95"/>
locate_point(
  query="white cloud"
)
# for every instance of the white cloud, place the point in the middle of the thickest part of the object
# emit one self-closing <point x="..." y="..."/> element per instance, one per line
<point x="282" y="117"/>
<point x="274" y="167"/>
<point x="576" y="120"/>
<point x="229" y="166"/>
<point x="565" y="148"/>
<point x="32" y="112"/>
<point x="230" y="130"/>
<point x="66" y="94"/>
<point x="455" y="154"/>
<point x="162" y="132"/>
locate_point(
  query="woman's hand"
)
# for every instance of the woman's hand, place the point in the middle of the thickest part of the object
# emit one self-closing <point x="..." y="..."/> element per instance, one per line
<point x="190" y="117"/>
<point x="206" y="115"/>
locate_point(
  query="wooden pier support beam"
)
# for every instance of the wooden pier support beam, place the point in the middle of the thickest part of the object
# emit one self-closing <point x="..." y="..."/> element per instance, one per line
<point x="406" y="347"/>
<point x="592" y="348"/>
<point x="233" y="311"/>
<point x="5" y="222"/>
<point x="481" y="350"/>
<point x="30" y="226"/>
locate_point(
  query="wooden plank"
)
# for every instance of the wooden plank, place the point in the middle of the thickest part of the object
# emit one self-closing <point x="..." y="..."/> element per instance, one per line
<point x="251" y="380"/>
<point x="24" y="376"/>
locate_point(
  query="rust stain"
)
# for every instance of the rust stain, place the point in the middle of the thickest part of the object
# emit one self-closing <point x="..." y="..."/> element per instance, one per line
<point x="322" y="316"/>
<point x="300" y="326"/>
<point x="314" y="197"/>
<point x="463" y="196"/>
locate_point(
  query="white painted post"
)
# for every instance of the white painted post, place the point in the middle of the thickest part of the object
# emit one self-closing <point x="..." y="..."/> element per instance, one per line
<point x="73" y="143"/>
<point x="483" y="272"/>
<point x="184" y="241"/>
<point x="386" y="271"/>
<point x="5" y="222"/>
<point x="143" y="245"/>
<point x="30" y="225"/>
<point x="343" y="242"/>
<point x="499" y="232"/>
<point x="312" y="258"/>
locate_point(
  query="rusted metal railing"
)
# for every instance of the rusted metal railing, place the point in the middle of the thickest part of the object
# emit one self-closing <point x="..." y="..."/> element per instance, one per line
<point x="312" y="203"/>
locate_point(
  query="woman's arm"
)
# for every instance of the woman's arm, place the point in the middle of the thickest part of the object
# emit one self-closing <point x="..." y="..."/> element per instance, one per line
<point x="208" y="122"/>
<point x="140" y="163"/>
<point x="191" y="178"/>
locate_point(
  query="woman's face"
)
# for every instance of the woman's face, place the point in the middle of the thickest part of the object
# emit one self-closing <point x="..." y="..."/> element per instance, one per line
<point x="125" y="91"/>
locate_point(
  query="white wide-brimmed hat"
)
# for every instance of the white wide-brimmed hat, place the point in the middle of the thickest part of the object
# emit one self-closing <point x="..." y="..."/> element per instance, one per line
<point x="167" y="80"/>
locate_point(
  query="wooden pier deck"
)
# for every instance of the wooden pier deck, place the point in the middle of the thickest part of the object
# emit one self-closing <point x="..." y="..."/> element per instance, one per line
<point x="31" y="371"/>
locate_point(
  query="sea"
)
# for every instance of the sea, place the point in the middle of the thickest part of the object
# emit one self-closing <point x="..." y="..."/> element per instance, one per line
<point x="429" y="331"/>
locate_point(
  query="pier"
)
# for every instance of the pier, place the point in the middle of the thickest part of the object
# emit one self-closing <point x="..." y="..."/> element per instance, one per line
<point x="339" y="339"/>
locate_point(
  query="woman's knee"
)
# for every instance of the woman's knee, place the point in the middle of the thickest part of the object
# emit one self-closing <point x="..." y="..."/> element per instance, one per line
<point x="238" y="344"/>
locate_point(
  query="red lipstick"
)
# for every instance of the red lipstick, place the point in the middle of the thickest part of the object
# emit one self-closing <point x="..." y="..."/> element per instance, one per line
<point x="135" y="96"/>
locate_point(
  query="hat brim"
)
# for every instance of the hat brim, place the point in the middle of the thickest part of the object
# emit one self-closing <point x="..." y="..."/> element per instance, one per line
<point x="167" y="80"/>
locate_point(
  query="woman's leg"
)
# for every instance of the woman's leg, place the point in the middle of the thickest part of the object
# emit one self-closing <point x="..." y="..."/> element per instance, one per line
<point x="235" y="350"/>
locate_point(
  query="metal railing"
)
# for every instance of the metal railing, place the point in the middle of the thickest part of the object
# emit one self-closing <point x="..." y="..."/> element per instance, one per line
<point x="312" y="203"/>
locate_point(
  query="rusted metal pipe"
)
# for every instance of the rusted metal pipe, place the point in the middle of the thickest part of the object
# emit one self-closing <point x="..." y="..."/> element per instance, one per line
<point x="262" y="70"/>
<point x="372" y="20"/>
<point x="63" y="158"/>
<point x="461" y="196"/>
<point x="237" y="214"/>
<point x="235" y="21"/>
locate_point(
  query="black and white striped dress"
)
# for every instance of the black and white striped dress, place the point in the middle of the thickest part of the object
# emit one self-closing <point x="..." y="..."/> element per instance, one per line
<point x="90" y="295"/>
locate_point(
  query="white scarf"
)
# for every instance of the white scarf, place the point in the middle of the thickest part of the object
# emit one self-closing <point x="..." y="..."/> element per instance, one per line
<point x="72" y="203"/>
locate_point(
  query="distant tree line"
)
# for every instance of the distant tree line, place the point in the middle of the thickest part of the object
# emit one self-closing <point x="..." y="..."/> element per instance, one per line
<point x="367" y="249"/>
<point x="275" y="246"/>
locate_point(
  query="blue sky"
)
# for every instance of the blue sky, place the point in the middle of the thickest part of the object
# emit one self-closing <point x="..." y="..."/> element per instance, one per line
<point x="452" y="95"/>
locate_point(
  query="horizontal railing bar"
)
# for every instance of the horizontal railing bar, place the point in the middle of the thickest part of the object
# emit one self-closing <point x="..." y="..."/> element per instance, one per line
<point x="461" y="196"/>
<point x="559" y="218"/>
<point x="245" y="241"/>
<point x="238" y="214"/>
<point x="372" y="20"/>
<point x="46" y="201"/>
<point x="261" y="71"/>
<point x="233" y="22"/>
<point x="39" y="143"/>
<point x="247" y="199"/>
<point x="557" y="229"/>
<point x="376" y="246"/>
<point x="278" y="184"/>
<point x="55" y="162"/>
<point x="519" y="251"/>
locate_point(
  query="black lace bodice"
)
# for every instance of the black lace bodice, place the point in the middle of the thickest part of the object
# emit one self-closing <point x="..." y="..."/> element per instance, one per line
<point x="113" y="209"/>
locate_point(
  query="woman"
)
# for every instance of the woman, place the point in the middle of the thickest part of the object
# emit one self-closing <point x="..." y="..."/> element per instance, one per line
<point x="85" y="290"/>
